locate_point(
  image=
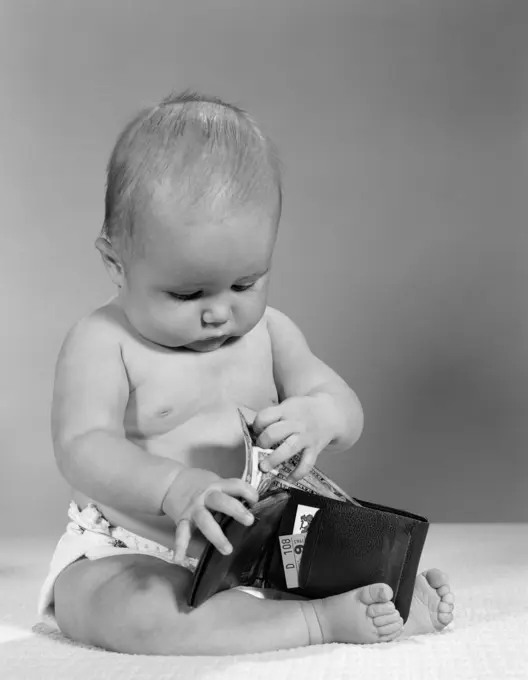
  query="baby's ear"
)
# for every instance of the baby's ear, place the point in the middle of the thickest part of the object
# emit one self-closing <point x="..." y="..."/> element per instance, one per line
<point x="111" y="261"/>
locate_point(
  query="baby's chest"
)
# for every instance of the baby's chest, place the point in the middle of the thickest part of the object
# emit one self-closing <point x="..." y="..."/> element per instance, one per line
<point x="170" y="390"/>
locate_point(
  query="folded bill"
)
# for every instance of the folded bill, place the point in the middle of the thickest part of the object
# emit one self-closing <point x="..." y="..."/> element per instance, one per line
<point x="315" y="481"/>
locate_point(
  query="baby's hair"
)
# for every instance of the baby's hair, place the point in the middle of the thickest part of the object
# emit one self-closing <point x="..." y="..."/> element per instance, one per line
<point x="210" y="153"/>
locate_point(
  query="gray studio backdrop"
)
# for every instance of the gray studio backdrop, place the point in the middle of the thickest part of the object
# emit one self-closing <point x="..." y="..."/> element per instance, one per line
<point x="403" y="130"/>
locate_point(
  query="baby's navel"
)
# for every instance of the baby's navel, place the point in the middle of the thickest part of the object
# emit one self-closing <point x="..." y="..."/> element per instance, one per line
<point x="164" y="412"/>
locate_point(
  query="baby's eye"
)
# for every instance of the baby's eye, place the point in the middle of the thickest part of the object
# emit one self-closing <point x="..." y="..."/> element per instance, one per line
<point x="191" y="296"/>
<point x="195" y="296"/>
<point x="240" y="289"/>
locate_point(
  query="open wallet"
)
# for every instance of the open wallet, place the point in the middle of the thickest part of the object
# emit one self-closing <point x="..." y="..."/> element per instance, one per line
<point x="311" y="539"/>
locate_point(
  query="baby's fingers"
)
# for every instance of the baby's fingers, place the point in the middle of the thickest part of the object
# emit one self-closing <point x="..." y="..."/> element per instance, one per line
<point x="293" y="444"/>
<point x="305" y="465"/>
<point x="211" y="530"/>
<point x="182" y="539"/>
<point x="278" y="432"/>
<point x="228" y="505"/>
<point x="239" y="488"/>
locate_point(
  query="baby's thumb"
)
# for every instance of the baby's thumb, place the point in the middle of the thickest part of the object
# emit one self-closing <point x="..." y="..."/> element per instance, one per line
<point x="182" y="539"/>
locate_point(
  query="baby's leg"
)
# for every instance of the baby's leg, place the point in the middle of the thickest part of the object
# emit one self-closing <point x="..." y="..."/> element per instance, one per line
<point x="137" y="604"/>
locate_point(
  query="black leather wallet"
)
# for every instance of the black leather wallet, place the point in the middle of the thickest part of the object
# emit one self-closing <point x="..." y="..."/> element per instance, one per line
<point x="345" y="546"/>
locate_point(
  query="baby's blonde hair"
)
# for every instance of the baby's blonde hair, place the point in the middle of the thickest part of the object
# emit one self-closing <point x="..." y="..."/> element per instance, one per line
<point x="207" y="149"/>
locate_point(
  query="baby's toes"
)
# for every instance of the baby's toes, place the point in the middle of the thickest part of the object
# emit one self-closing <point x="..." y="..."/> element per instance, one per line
<point x="386" y="619"/>
<point x="445" y="609"/>
<point x="380" y="609"/>
<point x="388" y="624"/>
<point x="445" y="617"/>
<point x="436" y="579"/>
<point x="448" y="598"/>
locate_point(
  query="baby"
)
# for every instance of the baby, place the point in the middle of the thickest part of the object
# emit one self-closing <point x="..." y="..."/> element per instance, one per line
<point x="145" y="422"/>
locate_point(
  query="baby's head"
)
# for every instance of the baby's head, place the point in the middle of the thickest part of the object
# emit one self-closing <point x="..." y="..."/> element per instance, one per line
<point x="193" y="203"/>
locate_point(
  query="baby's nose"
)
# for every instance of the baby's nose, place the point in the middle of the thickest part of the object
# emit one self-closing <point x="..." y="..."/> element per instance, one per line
<point x="217" y="315"/>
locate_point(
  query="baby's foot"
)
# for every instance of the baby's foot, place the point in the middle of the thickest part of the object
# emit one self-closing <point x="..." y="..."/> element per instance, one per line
<point x="432" y="604"/>
<point x="363" y="616"/>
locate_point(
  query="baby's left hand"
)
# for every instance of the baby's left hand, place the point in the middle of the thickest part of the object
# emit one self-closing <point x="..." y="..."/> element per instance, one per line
<point x="299" y="423"/>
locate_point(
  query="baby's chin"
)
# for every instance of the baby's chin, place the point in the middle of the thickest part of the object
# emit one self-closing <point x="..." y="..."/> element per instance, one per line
<point x="209" y="345"/>
<point x="201" y="346"/>
<point x="196" y="346"/>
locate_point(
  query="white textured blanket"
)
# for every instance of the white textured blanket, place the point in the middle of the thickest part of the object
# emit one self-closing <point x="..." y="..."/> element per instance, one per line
<point x="487" y="563"/>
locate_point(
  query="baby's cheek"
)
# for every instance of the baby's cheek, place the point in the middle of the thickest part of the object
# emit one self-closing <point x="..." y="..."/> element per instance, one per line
<point x="158" y="323"/>
<point x="256" y="307"/>
<point x="178" y="324"/>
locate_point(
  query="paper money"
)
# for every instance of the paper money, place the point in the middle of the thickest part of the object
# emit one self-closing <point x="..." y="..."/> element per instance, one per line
<point x="315" y="481"/>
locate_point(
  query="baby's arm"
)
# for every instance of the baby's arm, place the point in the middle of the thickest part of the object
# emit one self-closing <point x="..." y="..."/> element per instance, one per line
<point x="298" y="372"/>
<point x="89" y="401"/>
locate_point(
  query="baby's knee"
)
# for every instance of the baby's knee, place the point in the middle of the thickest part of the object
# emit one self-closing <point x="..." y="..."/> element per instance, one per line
<point x="153" y="610"/>
<point x="137" y="606"/>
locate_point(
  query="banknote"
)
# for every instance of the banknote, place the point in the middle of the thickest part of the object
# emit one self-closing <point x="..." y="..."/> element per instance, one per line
<point x="315" y="481"/>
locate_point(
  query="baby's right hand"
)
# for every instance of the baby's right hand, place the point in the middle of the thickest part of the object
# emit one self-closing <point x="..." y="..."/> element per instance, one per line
<point x="190" y="498"/>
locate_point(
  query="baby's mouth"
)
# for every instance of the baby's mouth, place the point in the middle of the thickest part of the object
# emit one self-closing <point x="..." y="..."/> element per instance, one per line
<point x="214" y="340"/>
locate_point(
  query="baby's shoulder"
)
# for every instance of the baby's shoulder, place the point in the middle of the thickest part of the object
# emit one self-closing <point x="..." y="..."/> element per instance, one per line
<point x="276" y="321"/>
<point x="104" y="327"/>
<point x="271" y="314"/>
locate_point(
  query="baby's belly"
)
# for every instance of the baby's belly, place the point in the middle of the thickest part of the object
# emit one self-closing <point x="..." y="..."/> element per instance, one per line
<point x="211" y="438"/>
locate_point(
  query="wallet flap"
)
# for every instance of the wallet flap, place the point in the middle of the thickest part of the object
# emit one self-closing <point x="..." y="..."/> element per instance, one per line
<point x="345" y="549"/>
